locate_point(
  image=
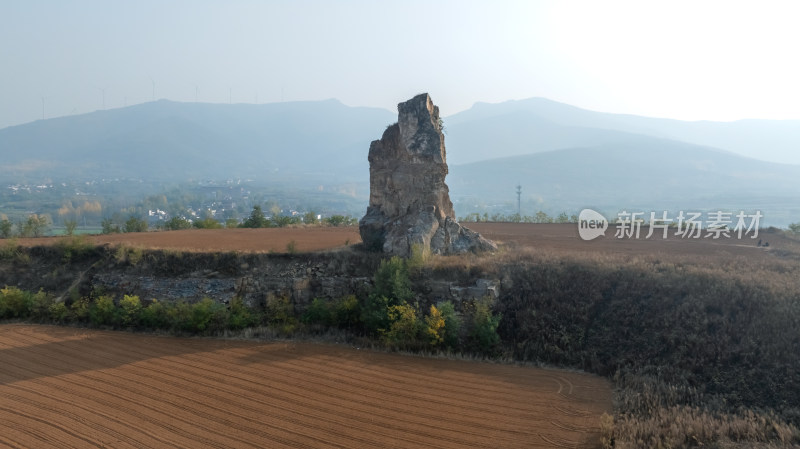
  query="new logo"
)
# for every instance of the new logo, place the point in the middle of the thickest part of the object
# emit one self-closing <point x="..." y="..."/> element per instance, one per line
<point x="591" y="224"/>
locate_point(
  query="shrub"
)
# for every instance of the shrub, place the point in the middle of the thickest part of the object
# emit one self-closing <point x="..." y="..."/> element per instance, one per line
<point x="340" y="220"/>
<point x="129" y="255"/>
<point x="135" y="224"/>
<point x="156" y="316"/>
<point x="280" y="313"/>
<point x="391" y="281"/>
<point x="208" y="316"/>
<point x="58" y="312"/>
<point x="435" y="326"/>
<point x="208" y="223"/>
<point x="102" y="311"/>
<point x="73" y="248"/>
<point x="15" y="303"/>
<point x="404" y="328"/>
<point x="177" y="223"/>
<point x="483" y="334"/>
<point x="256" y="219"/>
<point x="291" y="247"/>
<point x="375" y="314"/>
<point x="318" y="312"/>
<point x="79" y="309"/>
<point x="240" y="316"/>
<point x="40" y="306"/>
<point x="109" y="227"/>
<point x="452" y="325"/>
<point x="6" y="228"/>
<point x="130" y="310"/>
<point x="346" y="312"/>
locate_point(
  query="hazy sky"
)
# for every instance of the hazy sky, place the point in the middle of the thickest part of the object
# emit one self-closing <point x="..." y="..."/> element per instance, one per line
<point x="688" y="60"/>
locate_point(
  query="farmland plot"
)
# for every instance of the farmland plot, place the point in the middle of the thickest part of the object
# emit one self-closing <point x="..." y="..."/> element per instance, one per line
<point x="69" y="387"/>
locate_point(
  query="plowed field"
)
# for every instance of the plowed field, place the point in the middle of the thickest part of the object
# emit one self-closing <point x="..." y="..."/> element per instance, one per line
<point x="67" y="387"/>
<point x="560" y="238"/>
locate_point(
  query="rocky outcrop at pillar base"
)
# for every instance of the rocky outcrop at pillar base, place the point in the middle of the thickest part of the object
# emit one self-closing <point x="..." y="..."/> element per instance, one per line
<point x="409" y="201"/>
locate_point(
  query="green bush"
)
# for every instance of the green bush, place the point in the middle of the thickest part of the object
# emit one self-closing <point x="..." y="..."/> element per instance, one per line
<point x="177" y="224"/>
<point x="208" y="316"/>
<point x="15" y="303"/>
<point x="452" y="325"/>
<point x="240" y="316"/>
<point x="79" y="309"/>
<point x="130" y="310"/>
<point x="208" y="223"/>
<point x="256" y="219"/>
<point x="404" y="328"/>
<point x="391" y="281"/>
<point x="73" y="248"/>
<point x="58" y="312"/>
<point x="483" y="336"/>
<point x="375" y="314"/>
<point x="102" y="311"/>
<point x="40" y="306"/>
<point x="135" y="224"/>
<point x="346" y="312"/>
<point x="318" y="312"/>
<point x="6" y="228"/>
<point x="156" y="316"/>
<point x="280" y="313"/>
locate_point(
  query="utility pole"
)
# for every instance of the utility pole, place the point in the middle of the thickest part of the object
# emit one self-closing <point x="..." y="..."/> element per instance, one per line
<point x="519" y="195"/>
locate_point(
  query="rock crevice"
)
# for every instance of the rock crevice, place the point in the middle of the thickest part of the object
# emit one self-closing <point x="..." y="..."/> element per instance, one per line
<point x="409" y="202"/>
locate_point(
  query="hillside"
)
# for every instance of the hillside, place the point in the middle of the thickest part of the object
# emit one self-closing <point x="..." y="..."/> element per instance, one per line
<point x="164" y="139"/>
<point x="769" y="140"/>
<point x="644" y="172"/>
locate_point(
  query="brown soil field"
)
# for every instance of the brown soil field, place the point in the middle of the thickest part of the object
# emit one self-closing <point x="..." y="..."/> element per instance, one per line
<point x="561" y="238"/>
<point x="69" y="387"/>
<point x="564" y="239"/>
<point x="223" y="240"/>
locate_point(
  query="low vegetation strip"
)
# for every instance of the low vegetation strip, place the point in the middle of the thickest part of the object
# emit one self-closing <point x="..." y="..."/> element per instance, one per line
<point x="74" y="387"/>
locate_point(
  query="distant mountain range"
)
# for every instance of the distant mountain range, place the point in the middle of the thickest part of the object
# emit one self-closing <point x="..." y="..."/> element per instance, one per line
<point x="164" y="139"/>
<point x="565" y="158"/>
<point x="537" y="124"/>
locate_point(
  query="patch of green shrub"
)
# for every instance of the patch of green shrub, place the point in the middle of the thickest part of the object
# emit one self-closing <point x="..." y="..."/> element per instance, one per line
<point x="15" y="303"/>
<point x="280" y="313"/>
<point x="240" y="316"/>
<point x="404" y="327"/>
<point x="156" y="316"/>
<point x="483" y="336"/>
<point x="103" y="312"/>
<point x="130" y="310"/>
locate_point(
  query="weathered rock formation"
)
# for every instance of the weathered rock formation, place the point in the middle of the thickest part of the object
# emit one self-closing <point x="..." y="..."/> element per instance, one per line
<point x="409" y="202"/>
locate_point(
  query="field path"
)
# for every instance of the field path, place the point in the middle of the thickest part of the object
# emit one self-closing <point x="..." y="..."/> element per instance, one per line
<point x="67" y="387"/>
